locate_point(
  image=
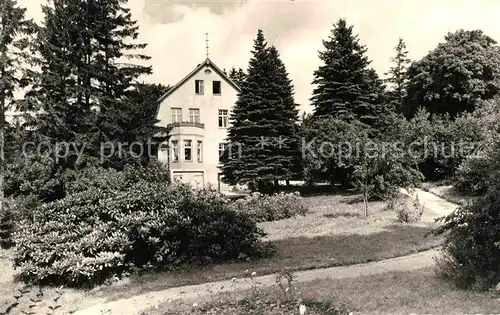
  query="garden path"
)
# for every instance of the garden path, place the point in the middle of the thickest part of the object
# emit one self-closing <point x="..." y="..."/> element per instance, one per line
<point x="434" y="207"/>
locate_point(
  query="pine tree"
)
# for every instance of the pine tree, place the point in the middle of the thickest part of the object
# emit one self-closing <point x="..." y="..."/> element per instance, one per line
<point x="397" y="77"/>
<point x="141" y="120"/>
<point x="263" y="123"/>
<point x="286" y="153"/>
<point x="13" y="51"/>
<point x="237" y="76"/>
<point x="56" y="98"/>
<point x="82" y="91"/>
<point x="114" y="31"/>
<point x="344" y="83"/>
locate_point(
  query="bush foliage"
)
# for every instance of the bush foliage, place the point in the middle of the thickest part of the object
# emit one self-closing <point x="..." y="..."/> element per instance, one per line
<point x="346" y="153"/>
<point x="89" y="237"/>
<point x="408" y="210"/>
<point x="479" y="170"/>
<point x="110" y="179"/>
<point x="441" y="143"/>
<point x="471" y="249"/>
<point x="33" y="175"/>
<point x="270" y="207"/>
<point x="7" y="224"/>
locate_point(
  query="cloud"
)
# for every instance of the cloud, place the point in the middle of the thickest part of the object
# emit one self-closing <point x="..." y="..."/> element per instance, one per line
<point x="175" y="30"/>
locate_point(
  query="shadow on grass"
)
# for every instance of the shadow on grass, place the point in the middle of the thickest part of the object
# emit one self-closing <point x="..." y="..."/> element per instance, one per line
<point x="297" y="253"/>
<point x="342" y="214"/>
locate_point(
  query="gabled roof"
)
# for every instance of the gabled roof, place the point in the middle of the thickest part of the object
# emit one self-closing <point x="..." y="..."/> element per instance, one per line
<point x="202" y="65"/>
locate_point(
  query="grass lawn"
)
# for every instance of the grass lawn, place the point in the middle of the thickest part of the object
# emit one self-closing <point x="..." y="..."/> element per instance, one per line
<point x="447" y="192"/>
<point x="333" y="233"/>
<point x="417" y="292"/>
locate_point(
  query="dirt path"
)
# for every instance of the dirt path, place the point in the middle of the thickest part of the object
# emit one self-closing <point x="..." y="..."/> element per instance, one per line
<point x="434" y="207"/>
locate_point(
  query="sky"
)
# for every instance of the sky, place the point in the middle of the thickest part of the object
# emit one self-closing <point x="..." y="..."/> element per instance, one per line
<point x="175" y="31"/>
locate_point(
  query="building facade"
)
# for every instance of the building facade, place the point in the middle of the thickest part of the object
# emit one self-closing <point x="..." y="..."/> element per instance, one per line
<point x="197" y="109"/>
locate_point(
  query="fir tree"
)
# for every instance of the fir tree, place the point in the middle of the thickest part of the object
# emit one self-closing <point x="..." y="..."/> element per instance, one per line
<point x="82" y="91"/>
<point x="114" y="32"/>
<point x="13" y="51"/>
<point x="286" y="154"/>
<point x="263" y="123"/>
<point x="141" y="119"/>
<point x="56" y="98"/>
<point x="237" y="76"/>
<point x="397" y="77"/>
<point x="345" y="86"/>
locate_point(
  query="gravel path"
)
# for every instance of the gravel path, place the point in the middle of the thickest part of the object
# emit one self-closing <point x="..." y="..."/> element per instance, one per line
<point x="434" y="207"/>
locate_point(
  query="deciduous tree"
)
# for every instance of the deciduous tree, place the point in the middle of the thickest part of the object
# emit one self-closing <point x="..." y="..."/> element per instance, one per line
<point x="453" y="77"/>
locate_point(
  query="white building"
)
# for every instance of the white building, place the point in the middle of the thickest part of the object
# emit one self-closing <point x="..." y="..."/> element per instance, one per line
<point x="198" y="109"/>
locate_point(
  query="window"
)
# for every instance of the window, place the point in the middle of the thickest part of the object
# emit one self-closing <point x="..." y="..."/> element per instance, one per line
<point x="216" y="87"/>
<point x="187" y="150"/>
<point x="222" y="151"/>
<point x="176" y="115"/>
<point x="163" y="152"/>
<point x="198" y="87"/>
<point x="199" y="149"/>
<point x="194" y="115"/>
<point x="223" y="118"/>
<point x="175" y="151"/>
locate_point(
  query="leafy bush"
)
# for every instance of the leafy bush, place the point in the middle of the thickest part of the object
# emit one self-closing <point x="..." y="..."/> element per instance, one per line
<point x="95" y="235"/>
<point x="407" y="209"/>
<point x="110" y="179"/>
<point x="471" y="249"/>
<point x="477" y="171"/>
<point x="473" y="175"/>
<point x="356" y="157"/>
<point x="443" y="143"/>
<point x="7" y="224"/>
<point x="270" y="207"/>
<point x="33" y="175"/>
<point x="328" y="166"/>
<point x="471" y="252"/>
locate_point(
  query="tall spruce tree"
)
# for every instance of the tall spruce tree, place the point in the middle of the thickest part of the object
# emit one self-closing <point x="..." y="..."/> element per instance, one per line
<point x="114" y="33"/>
<point x="13" y="52"/>
<point x="140" y="126"/>
<point x="286" y="154"/>
<point x="397" y="78"/>
<point x="82" y="92"/>
<point x="345" y="85"/>
<point x="263" y="123"/>
<point x="56" y="99"/>
<point x="237" y="76"/>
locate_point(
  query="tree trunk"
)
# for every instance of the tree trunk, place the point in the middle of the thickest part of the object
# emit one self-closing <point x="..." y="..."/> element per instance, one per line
<point x="365" y="199"/>
<point x="365" y="190"/>
<point x="2" y="143"/>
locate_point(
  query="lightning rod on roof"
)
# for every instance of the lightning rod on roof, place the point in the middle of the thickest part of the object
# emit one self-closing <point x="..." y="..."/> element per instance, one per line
<point x="206" y="40"/>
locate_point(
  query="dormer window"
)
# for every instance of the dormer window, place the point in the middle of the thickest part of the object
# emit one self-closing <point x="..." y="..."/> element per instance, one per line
<point x="198" y="87"/>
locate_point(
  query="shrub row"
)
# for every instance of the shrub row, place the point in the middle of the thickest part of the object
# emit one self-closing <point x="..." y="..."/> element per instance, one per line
<point x="270" y="207"/>
<point x="471" y="251"/>
<point x="34" y="180"/>
<point x="91" y="236"/>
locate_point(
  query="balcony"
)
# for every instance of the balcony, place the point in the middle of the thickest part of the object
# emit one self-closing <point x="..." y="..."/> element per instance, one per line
<point x="186" y="124"/>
